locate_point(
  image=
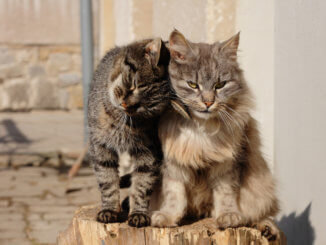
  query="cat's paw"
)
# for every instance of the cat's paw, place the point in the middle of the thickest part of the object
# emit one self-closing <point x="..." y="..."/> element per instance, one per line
<point x="230" y="220"/>
<point x="107" y="216"/>
<point x="139" y="220"/>
<point x="160" y="219"/>
<point x="268" y="229"/>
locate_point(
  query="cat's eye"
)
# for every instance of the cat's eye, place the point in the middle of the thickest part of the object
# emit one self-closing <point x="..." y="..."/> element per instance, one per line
<point x="142" y="85"/>
<point x="220" y="84"/>
<point x="192" y="85"/>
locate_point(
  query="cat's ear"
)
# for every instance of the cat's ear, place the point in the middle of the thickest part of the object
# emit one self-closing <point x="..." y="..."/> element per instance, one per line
<point x="230" y="46"/>
<point x="153" y="51"/>
<point x="180" y="49"/>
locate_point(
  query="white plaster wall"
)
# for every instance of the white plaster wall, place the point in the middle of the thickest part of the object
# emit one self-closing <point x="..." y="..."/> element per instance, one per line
<point x="188" y="16"/>
<point x="39" y="21"/>
<point x="255" y="21"/>
<point x="300" y="119"/>
<point x="123" y="22"/>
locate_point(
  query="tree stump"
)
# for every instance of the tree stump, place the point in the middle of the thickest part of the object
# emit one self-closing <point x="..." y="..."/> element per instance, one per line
<point x="84" y="230"/>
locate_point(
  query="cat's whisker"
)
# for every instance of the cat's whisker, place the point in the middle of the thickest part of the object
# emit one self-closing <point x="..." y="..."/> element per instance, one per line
<point x="240" y="128"/>
<point x="226" y="123"/>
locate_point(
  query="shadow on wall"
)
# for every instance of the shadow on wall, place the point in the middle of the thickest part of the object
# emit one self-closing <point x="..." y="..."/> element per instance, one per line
<point x="298" y="228"/>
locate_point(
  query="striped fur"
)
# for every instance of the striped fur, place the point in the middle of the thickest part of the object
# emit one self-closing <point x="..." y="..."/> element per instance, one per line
<point x="129" y="91"/>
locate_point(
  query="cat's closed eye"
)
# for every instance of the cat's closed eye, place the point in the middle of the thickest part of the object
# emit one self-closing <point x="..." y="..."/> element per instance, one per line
<point x="141" y="85"/>
<point x="192" y="84"/>
<point x="220" y="84"/>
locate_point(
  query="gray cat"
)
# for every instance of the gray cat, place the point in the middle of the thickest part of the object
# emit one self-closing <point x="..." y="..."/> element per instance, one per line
<point x="213" y="163"/>
<point x="129" y="91"/>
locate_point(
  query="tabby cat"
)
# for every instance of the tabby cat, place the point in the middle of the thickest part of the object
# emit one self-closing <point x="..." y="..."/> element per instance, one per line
<point x="213" y="163"/>
<point x="129" y="91"/>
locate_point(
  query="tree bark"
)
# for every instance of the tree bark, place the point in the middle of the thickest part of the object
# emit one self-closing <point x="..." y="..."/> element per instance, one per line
<point x="84" y="230"/>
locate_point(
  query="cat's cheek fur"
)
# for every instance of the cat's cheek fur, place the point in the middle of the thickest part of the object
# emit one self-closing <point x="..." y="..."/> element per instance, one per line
<point x="113" y="98"/>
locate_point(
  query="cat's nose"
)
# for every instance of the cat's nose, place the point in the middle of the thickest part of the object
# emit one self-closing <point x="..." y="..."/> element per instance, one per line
<point x="124" y="105"/>
<point x="208" y="103"/>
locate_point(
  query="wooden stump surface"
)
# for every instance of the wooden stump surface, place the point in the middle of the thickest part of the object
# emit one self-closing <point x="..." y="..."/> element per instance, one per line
<point x="84" y="230"/>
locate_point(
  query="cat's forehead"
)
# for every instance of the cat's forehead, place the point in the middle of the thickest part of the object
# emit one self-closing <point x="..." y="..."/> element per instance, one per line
<point x="135" y="52"/>
<point x="207" y="64"/>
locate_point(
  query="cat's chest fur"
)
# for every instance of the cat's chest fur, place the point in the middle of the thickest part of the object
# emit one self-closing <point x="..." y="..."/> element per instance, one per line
<point x="123" y="133"/>
<point x="193" y="144"/>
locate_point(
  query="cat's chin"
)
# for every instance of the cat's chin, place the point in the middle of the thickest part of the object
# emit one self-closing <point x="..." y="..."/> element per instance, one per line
<point x="202" y="115"/>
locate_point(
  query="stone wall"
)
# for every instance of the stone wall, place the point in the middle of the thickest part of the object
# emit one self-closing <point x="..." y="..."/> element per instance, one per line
<point x="40" y="77"/>
<point x="40" y="56"/>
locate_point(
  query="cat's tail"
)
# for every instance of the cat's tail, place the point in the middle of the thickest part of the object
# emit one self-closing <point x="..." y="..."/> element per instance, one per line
<point x="257" y="198"/>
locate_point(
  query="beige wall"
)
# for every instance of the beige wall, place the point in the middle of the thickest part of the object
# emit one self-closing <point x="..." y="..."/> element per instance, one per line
<point x="39" y="21"/>
<point x="201" y="21"/>
<point x="300" y="105"/>
<point x="255" y="21"/>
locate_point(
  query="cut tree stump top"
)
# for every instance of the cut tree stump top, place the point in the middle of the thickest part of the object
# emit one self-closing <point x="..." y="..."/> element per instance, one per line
<point x="85" y="230"/>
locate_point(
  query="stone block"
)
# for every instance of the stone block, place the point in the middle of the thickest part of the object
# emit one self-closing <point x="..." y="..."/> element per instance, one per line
<point x="51" y="209"/>
<point x="20" y="160"/>
<point x="23" y="190"/>
<point x="46" y="51"/>
<point x="58" y="216"/>
<point x="33" y="217"/>
<point x="4" y="159"/>
<point x="36" y="71"/>
<point x="20" y="241"/>
<point x="75" y="96"/>
<point x="76" y="58"/>
<point x="6" y="56"/>
<point x="4" y="203"/>
<point x="12" y="70"/>
<point x="11" y="234"/>
<point x="39" y="201"/>
<point x="13" y="211"/>
<point x="16" y="225"/>
<point x="63" y="97"/>
<point x="27" y="54"/>
<point x="15" y="95"/>
<point x="16" y="216"/>
<point x="44" y="94"/>
<point x="69" y="78"/>
<point x="59" y="62"/>
<point x="45" y="236"/>
<point x="43" y="225"/>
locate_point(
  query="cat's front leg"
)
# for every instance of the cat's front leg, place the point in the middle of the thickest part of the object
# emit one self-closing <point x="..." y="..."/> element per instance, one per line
<point x="143" y="181"/>
<point x="225" y="207"/>
<point x="105" y="164"/>
<point x="174" y="199"/>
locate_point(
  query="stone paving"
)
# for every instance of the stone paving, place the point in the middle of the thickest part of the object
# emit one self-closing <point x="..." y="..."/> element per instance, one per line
<point x="36" y="199"/>
<point x="43" y="132"/>
<point x="38" y="202"/>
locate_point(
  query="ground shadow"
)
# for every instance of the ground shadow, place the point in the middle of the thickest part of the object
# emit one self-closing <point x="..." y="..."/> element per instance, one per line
<point x="297" y="228"/>
<point x="12" y="139"/>
<point x="14" y="134"/>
